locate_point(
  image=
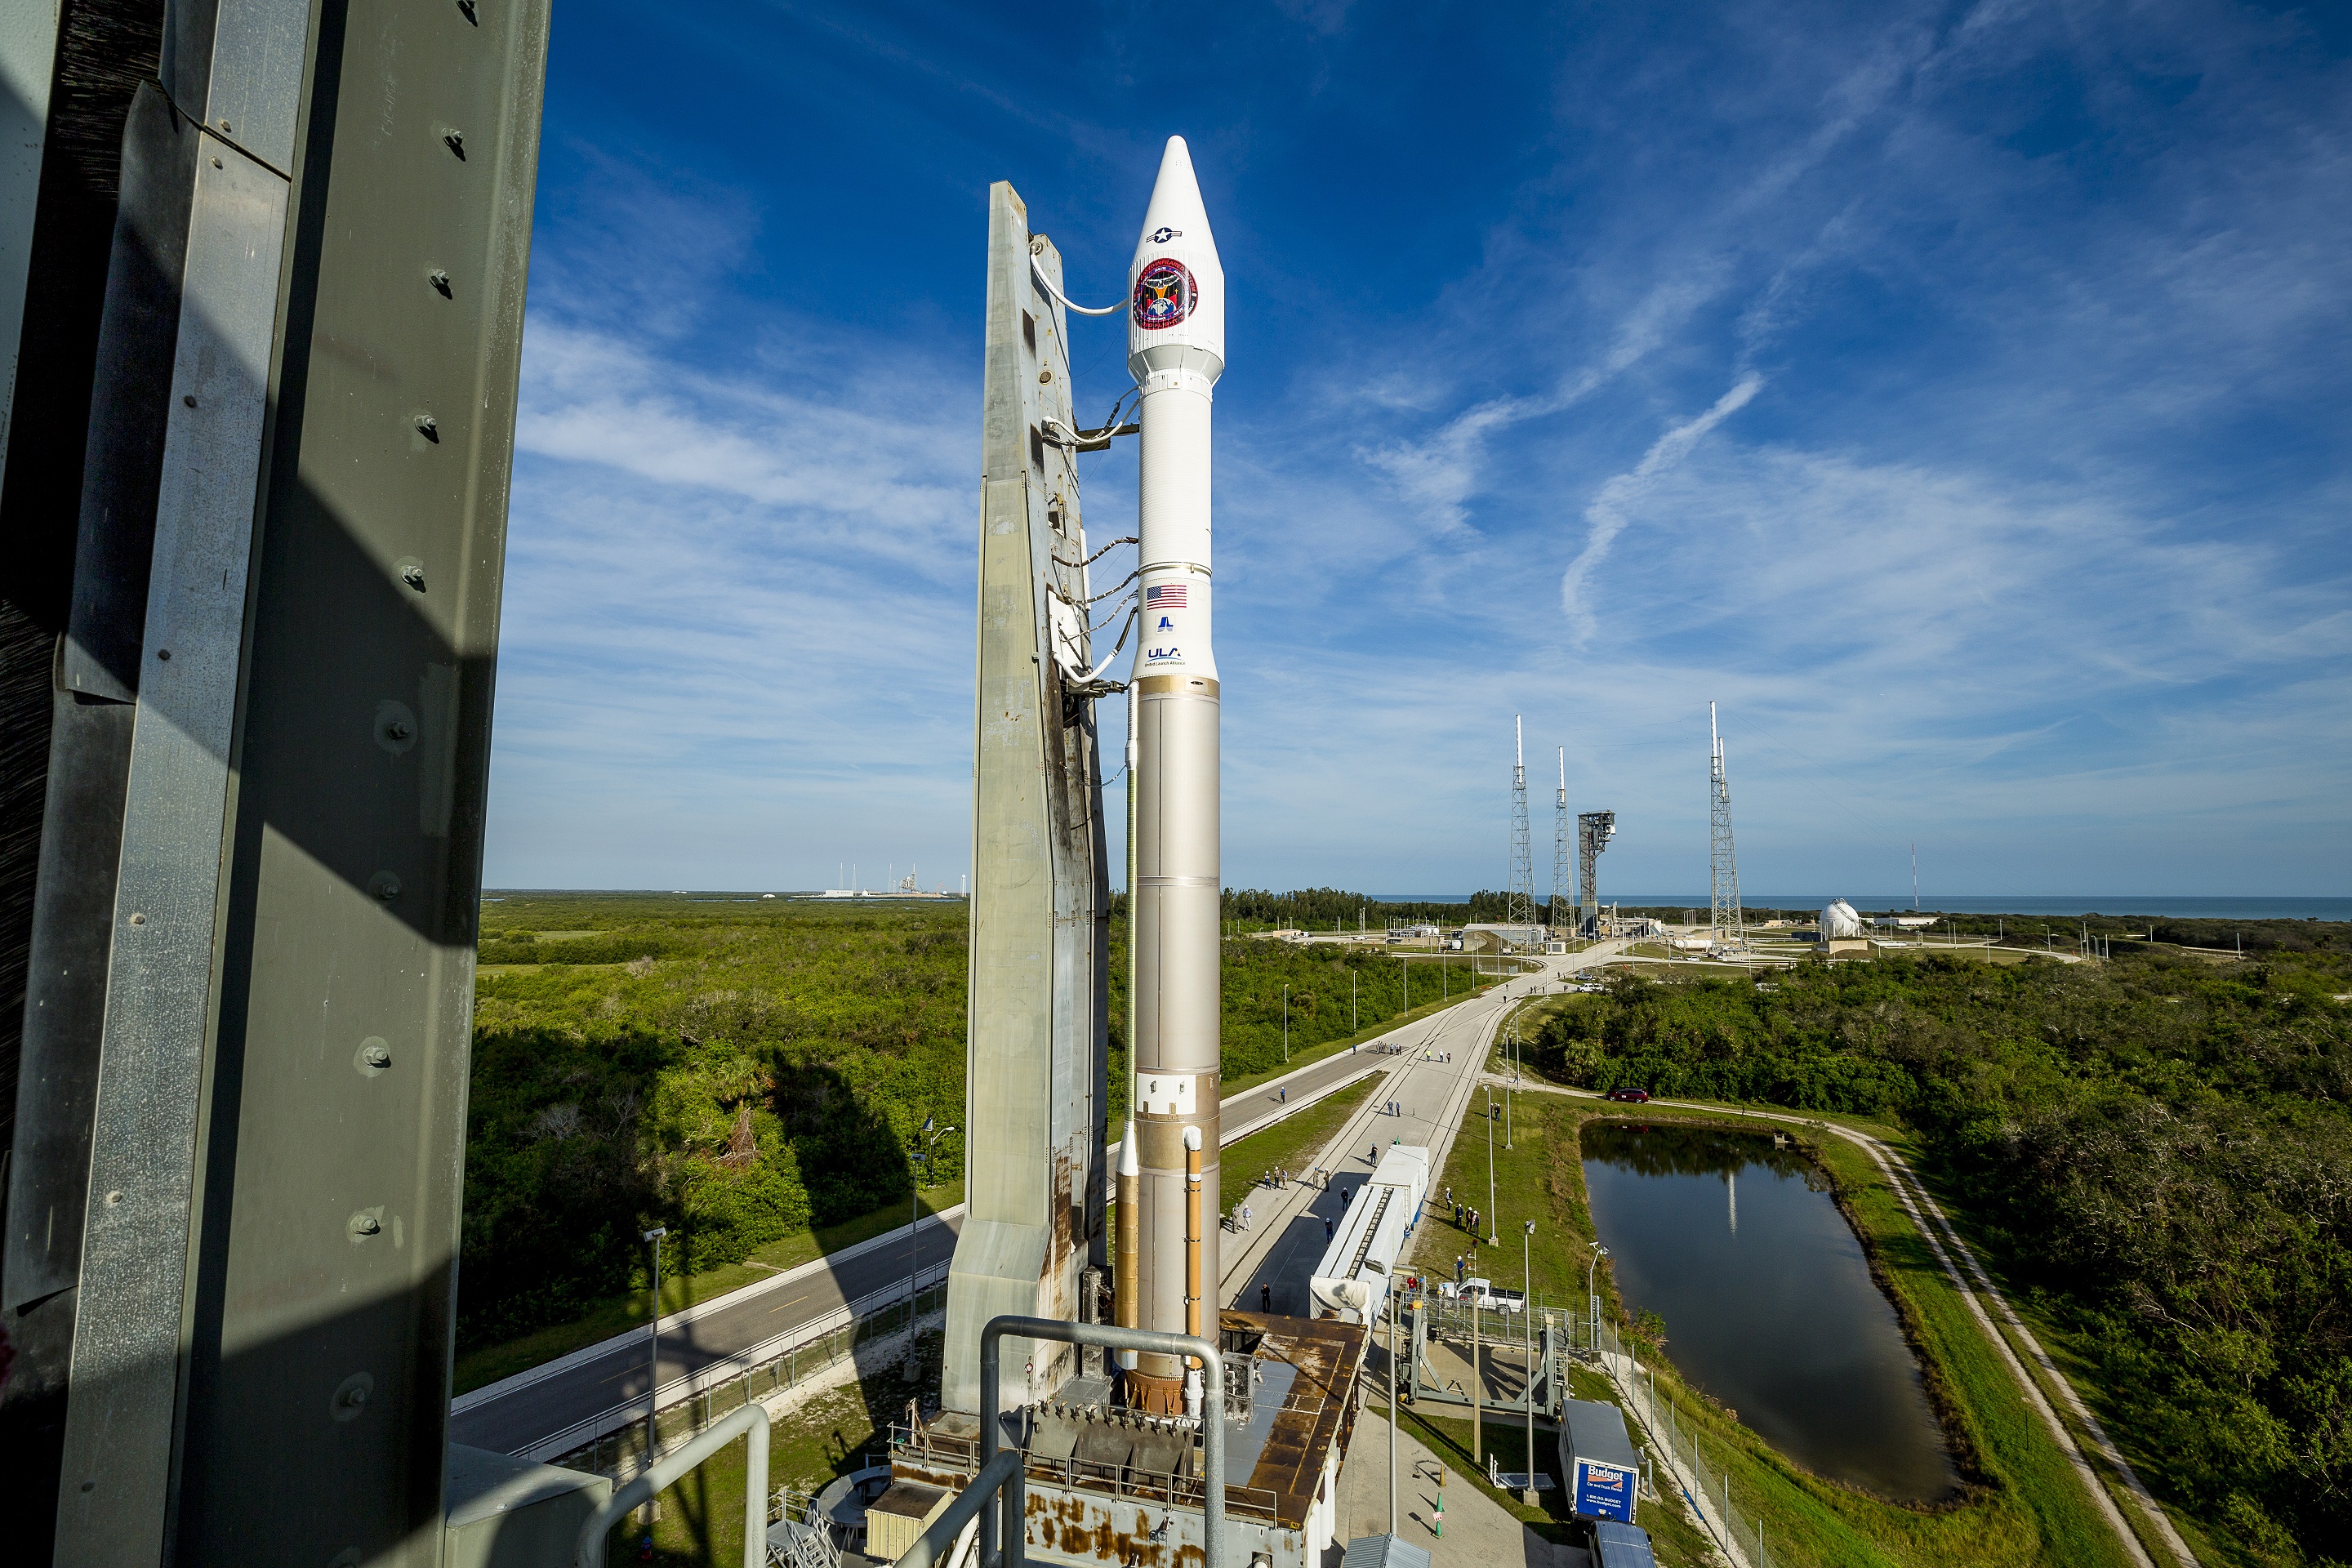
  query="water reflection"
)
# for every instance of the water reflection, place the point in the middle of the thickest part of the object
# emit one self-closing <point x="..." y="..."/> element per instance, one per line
<point x="1767" y="1300"/>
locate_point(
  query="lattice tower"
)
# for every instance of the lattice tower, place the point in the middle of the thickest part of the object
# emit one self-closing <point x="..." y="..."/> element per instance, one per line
<point x="1522" y="909"/>
<point x="1723" y="879"/>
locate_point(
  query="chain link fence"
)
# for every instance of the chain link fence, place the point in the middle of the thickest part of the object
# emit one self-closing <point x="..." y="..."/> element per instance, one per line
<point x="1695" y="1460"/>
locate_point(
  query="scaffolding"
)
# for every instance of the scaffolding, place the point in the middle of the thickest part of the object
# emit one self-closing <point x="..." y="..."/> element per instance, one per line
<point x="1594" y="829"/>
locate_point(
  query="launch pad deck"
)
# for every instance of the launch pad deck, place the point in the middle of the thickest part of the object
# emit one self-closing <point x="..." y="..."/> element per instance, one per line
<point x="1109" y="1484"/>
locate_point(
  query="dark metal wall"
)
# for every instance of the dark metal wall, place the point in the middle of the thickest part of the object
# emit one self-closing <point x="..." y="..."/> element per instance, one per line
<point x="236" y="1154"/>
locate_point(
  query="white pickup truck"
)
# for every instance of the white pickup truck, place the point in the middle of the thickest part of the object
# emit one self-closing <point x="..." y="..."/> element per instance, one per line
<point x="1483" y="1293"/>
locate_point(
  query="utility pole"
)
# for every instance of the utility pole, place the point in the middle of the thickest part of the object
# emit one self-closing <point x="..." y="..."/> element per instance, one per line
<point x="1521" y="908"/>
<point x="1394" y="1415"/>
<point x="1561" y="838"/>
<point x="914" y="1224"/>
<point x="1491" y="1239"/>
<point x="653" y="1365"/>
<point x="1528" y="1312"/>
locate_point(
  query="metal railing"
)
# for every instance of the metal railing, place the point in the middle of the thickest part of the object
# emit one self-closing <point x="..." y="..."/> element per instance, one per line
<point x="778" y="1362"/>
<point x="1132" y="1483"/>
<point x="996" y="1494"/>
<point x="748" y="1423"/>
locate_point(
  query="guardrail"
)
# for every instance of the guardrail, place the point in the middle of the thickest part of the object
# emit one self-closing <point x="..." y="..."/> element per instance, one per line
<point x="783" y="1359"/>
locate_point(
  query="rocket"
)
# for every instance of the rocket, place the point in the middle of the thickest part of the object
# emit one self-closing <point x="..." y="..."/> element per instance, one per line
<point x="1176" y="351"/>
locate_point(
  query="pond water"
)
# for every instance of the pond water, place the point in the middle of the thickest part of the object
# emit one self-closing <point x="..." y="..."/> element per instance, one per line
<point x="1768" y="1300"/>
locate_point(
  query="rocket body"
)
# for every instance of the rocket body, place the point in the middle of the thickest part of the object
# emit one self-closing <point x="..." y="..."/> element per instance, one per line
<point x="1176" y="349"/>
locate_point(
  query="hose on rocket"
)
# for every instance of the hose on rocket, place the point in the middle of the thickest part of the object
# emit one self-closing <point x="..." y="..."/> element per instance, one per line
<point x="1063" y="300"/>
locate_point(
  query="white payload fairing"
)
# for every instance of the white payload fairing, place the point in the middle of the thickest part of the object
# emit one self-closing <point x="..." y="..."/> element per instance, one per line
<point x="1176" y="350"/>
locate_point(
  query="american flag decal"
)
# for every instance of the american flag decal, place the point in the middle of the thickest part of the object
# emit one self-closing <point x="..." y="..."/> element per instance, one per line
<point x="1167" y="596"/>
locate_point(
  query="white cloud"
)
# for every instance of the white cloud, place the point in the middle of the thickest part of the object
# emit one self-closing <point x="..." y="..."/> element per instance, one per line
<point x="1607" y="513"/>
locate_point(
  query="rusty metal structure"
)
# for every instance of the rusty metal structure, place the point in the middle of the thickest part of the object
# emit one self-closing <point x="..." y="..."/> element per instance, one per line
<point x="1104" y="1482"/>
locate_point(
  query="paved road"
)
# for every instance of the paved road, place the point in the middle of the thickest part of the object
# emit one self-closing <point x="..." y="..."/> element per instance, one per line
<point x="513" y="1420"/>
<point x="1274" y="1264"/>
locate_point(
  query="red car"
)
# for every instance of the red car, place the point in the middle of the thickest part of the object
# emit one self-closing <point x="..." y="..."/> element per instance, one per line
<point x="1630" y="1095"/>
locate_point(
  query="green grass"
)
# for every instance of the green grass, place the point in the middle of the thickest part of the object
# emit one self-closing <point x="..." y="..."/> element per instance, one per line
<point x="1290" y="1142"/>
<point x="619" y="1314"/>
<point x="2025" y="1505"/>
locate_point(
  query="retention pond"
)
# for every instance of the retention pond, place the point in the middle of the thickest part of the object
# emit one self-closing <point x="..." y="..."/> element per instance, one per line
<point x="1768" y="1300"/>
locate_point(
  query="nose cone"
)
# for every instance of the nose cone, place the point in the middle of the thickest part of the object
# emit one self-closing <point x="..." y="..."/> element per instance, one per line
<point x="1176" y="285"/>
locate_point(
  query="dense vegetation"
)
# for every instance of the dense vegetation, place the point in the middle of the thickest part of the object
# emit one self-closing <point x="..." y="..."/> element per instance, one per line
<point x="739" y="1070"/>
<point x="1325" y="909"/>
<point x="2159" y="1149"/>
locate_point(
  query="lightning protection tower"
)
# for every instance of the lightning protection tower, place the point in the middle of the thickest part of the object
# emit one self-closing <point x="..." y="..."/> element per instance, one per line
<point x="1561" y="838"/>
<point x="1522" y="910"/>
<point x="1594" y="829"/>
<point x="1723" y="881"/>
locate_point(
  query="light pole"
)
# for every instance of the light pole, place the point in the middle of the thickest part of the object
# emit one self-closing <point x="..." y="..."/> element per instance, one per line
<point x="653" y="1360"/>
<point x="1506" y="1095"/>
<point x="1286" y="1026"/>
<point x="1493" y="1239"/>
<point x="914" y="1224"/>
<point x="1352" y="1026"/>
<point x="1527" y="1311"/>
<point x="1394" y="1416"/>
<point x="1592" y="1301"/>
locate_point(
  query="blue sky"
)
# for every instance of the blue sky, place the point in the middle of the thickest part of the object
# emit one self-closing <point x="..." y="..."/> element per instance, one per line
<point x="1956" y="393"/>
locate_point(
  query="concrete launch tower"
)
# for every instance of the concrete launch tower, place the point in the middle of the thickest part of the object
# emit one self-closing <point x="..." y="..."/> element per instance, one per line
<point x="1037" y="1051"/>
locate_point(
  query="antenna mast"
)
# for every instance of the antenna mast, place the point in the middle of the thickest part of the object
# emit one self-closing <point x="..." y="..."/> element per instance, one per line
<point x="1522" y="910"/>
<point x="1561" y="840"/>
<point x="1724" y="868"/>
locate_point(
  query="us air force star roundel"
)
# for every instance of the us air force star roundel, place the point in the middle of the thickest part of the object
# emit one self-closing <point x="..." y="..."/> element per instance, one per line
<point x="1164" y="294"/>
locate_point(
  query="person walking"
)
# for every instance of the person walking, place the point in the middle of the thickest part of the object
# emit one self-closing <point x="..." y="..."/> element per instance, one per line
<point x="1327" y="1227"/>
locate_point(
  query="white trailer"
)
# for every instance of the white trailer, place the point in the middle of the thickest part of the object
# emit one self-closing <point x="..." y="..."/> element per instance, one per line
<point x="1351" y="1282"/>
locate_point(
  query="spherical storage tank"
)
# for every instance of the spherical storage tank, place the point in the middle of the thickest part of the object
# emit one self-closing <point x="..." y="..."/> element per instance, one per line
<point x="1840" y="919"/>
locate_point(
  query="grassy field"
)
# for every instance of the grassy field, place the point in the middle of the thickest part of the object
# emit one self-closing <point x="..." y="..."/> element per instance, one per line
<point x="750" y="1073"/>
<point x="1290" y="1142"/>
<point x="2023" y="1505"/>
